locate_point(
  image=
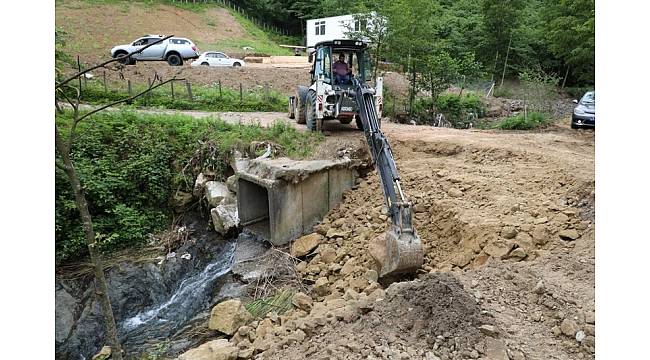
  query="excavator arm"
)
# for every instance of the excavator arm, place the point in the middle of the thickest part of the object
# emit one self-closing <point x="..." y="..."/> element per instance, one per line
<point x="403" y="248"/>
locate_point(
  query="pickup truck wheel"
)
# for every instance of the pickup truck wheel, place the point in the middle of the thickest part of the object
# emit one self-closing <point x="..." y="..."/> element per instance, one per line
<point x="205" y="64"/>
<point x="174" y="60"/>
<point x="236" y="64"/>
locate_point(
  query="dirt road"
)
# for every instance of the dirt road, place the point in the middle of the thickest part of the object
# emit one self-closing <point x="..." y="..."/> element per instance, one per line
<point x="507" y="221"/>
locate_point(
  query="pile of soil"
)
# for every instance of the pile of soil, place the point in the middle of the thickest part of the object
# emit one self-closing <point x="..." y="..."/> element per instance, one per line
<point x="434" y="312"/>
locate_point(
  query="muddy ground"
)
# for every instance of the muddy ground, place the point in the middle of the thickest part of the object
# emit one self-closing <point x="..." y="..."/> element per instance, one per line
<point x="507" y="223"/>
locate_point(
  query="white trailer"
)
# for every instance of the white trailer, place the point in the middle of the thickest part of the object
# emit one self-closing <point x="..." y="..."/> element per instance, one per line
<point x="330" y="28"/>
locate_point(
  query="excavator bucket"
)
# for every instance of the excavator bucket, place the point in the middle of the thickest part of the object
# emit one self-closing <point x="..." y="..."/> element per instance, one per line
<point x="399" y="250"/>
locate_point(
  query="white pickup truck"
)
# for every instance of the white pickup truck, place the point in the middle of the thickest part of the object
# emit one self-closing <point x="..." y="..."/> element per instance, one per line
<point x="174" y="50"/>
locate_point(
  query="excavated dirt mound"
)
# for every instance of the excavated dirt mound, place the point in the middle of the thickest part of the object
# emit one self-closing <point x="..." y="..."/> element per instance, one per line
<point x="434" y="312"/>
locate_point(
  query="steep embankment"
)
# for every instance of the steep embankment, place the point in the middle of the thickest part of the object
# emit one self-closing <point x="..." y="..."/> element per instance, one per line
<point x="93" y="27"/>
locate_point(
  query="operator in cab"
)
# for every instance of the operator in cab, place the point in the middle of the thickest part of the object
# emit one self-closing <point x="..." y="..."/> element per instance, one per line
<point x="341" y="71"/>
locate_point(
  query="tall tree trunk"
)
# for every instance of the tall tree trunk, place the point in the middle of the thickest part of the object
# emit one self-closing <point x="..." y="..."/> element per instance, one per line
<point x="101" y="290"/>
<point x="565" y="76"/>
<point x="412" y="92"/>
<point x="505" y="64"/>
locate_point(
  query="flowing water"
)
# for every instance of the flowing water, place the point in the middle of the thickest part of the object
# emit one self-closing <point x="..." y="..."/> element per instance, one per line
<point x="192" y="296"/>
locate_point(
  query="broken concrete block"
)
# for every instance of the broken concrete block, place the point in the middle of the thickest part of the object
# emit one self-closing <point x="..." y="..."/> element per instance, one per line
<point x="224" y="218"/>
<point x="216" y="192"/>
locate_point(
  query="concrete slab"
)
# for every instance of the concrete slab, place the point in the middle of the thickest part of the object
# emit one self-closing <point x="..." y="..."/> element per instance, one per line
<point x="282" y="199"/>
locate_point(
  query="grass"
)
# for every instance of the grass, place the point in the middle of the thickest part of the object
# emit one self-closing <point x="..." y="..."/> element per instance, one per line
<point x="280" y="303"/>
<point x="205" y="98"/>
<point x="533" y="120"/>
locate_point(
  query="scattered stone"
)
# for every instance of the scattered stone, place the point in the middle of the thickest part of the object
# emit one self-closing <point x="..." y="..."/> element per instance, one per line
<point x="580" y="335"/>
<point x="348" y="268"/>
<point x="303" y="245"/>
<point x="103" y="354"/>
<point x="224" y="218"/>
<point x="541" y="220"/>
<point x="498" y="249"/>
<point x="232" y="182"/>
<point x="328" y="255"/>
<point x="569" y="234"/>
<point x="561" y="218"/>
<point x="590" y="317"/>
<point x="462" y="259"/>
<point x="540" y="234"/>
<point x="517" y="254"/>
<point x="350" y="295"/>
<point x="302" y="301"/>
<point x="372" y="276"/>
<point x="219" y="349"/>
<point x="228" y="316"/>
<point x="216" y="192"/>
<point x="489" y="330"/>
<point x="509" y="232"/>
<point x="539" y="288"/>
<point x="453" y="192"/>
<point x="495" y="349"/>
<point x="590" y="330"/>
<point x="321" y="286"/>
<point x="568" y="327"/>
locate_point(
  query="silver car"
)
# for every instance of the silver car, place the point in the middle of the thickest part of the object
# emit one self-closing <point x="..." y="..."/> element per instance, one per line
<point x="173" y="50"/>
<point x="215" y="58"/>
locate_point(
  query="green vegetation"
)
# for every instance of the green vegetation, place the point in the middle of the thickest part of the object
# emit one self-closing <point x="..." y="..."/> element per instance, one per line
<point x="530" y="121"/>
<point x="460" y="111"/>
<point x="280" y="303"/>
<point x="131" y="165"/>
<point x="205" y="98"/>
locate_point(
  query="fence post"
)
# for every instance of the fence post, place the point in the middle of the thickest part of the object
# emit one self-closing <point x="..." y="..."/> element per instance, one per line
<point x="241" y="93"/>
<point x="105" y="87"/>
<point x="189" y="90"/>
<point x="220" y="94"/>
<point x="266" y="91"/>
<point x="128" y="84"/>
<point x="172" y="84"/>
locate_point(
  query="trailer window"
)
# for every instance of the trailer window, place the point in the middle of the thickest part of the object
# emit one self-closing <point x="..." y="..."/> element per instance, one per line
<point x="320" y="27"/>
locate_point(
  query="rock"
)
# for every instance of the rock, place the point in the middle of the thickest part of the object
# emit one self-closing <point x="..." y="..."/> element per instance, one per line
<point x="540" y="234"/>
<point x="265" y="327"/>
<point x="219" y="349"/>
<point x="302" y="246"/>
<point x="232" y="183"/>
<point x="430" y="356"/>
<point x="224" y="218"/>
<point x="580" y="335"/>
<point x="377" y="249"/>
<point x="498" y="249"/>
<point x="302" y="301"/>
<point x="419" y="208"/>
<point x="334" y="232"/>
<point x="348" y="267"/>
<point x="453" y="192"/>
<point x="539" y="288"/>
<point x="489" y="330"/>
<point x="590" y="330"/>
<point x="372" y="276"/>
<point x="495" y="349"/>
<point x="328" y="255"/>
<point x="350" y="295"/>
<point x="568" y="327"/>
<point x="462" y="259"/>
<point x="569" y="234"/>
<point x="509" y="232"/>
<point x="199" y="184"/>
<point x="590" y="317"/>
<point x="541" y="220"/>
<point x="228" y="316"/>
<point x="321" y="286"/>
<point x="517" y="254"/>
<point x="103" y="354"/>
<point x="216" y="192"/>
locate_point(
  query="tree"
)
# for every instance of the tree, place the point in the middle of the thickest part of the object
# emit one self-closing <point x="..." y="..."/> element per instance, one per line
<point x="500" y="20"/>
<point x="570" y="33"/>
<point x="64" y="162"/>
<point x="371" y="27"/>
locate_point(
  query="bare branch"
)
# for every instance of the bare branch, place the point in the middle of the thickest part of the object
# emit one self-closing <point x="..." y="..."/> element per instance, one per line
<point x="151" y="87"/>
<point x="110" y="61"/>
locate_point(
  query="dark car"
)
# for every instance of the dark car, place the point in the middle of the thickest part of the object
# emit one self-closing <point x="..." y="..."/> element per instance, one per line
<point x="584" y="115"/>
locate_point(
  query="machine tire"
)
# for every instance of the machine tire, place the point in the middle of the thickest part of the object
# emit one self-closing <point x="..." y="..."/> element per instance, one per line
<point x="310" y="112"/>
<point x="345" y="121"/>
<point x="292" y="107"/>
<point x="174" y="60"/>
<point x="359" y="123"/>
<point x="300" y="110"/>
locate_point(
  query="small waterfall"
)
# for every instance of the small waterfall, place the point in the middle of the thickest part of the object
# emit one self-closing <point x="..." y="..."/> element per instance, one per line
<point x="191" y="297"/>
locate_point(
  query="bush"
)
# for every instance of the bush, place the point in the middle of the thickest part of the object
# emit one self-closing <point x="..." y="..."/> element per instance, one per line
<point x="577" y="92"/>
<point x="130" y="165"/>
<point x="460" y="111"/>
<point x="520" y="122"/>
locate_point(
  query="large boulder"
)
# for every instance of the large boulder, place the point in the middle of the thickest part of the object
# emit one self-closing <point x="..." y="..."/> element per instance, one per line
<point x="199" y="184"/>
<point x="228" y="316"/>
<point x="103" y="354"/>
<point x="219" y="349"/>
<point x="224" y="217"/>
<point x="305" y="244"/>
<point x="216" y="192"/>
